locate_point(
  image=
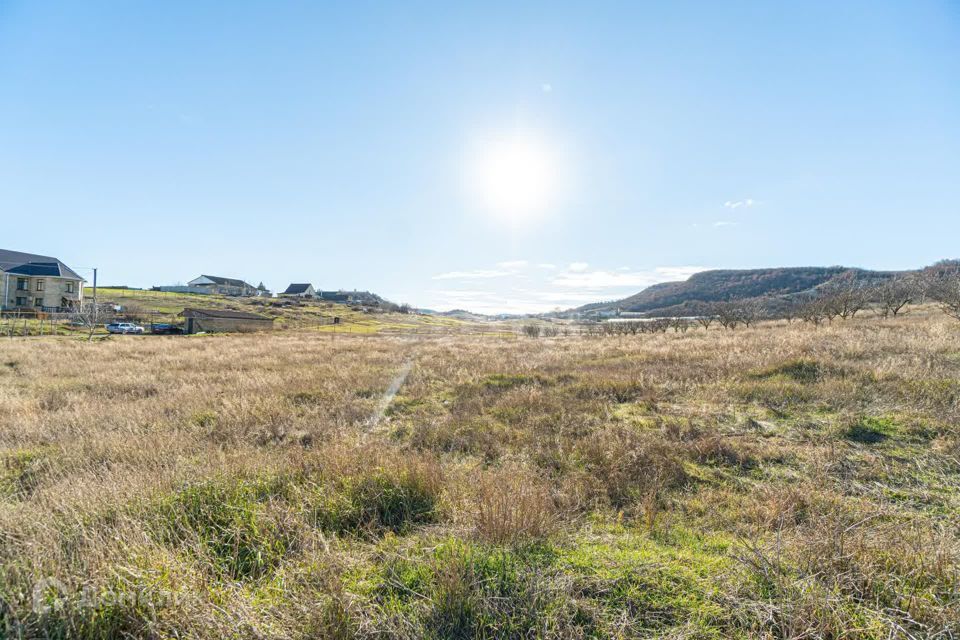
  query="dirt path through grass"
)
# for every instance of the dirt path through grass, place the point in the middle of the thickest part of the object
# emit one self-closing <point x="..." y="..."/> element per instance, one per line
<point x="390" y="393"/>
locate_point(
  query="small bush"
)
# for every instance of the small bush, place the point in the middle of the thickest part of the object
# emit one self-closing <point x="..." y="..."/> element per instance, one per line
<point x="204" y="419"/>
<point x="21" y="472"/>
<point x="871" y="430"/>
<point x="308" y="398"/>
<point x="504" y="381"/>
<point x="384" y="499"/>
<point x="634" y="469"/>
<point x="715" y="450"/>
<point x="465" y="591"/>
<point x="618" y="391"/>
<point x="511" y="508"/>
<point x="800" y="370"/>
<point x="226" y="521"/>
<point x="776" y="394"/>
<point x="482" y="436"/>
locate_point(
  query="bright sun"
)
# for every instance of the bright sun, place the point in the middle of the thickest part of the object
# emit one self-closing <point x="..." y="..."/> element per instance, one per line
<point x="516" y="177"/>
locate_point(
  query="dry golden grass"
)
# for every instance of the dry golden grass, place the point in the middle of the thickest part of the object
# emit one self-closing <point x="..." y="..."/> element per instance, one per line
<point x="780" y="481"/>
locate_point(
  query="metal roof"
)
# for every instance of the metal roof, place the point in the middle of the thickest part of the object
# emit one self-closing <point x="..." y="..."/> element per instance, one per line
<point x="222" y="313"/>
<point x="31" y="264"/>
<point x="233" y="282"/>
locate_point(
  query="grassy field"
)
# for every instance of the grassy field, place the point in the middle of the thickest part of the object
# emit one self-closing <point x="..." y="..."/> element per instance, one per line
<point x="782" y="481"/>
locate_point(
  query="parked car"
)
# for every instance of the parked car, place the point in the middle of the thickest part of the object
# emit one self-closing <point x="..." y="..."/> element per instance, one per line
<point x="165" y="328"/>
<point x="124" y="327"/>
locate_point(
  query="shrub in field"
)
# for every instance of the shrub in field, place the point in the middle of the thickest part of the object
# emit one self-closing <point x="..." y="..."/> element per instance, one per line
<point x="846" y="573"/>
<point x="482" y="436"/>
<point x="382" y="499"/>
<point x="512" y="507"/>
<point x="226" y="522"/>
<point x="532" y="330"/>
<point x="21" y="472"/>
<point x="870" y="430"/>
<point x="722" y="451"/>
<point x="618" y="391"/>
<point x="634" y="469"/>
<point x="503" y="381"/>
<point x="800" y="370"/>
<point x="475" y="591"/>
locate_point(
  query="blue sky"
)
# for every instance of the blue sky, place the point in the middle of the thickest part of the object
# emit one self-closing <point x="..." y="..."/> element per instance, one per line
<point x="338" y="143"/>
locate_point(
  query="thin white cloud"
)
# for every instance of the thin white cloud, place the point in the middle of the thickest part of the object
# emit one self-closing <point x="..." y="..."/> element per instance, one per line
<point x="546" y="265"/>
<point x="725" y="223"/>
<point x="600" y="279"/>
<point x="513" y="264"/>
<point x="736" y="204"/>
<point x="476" y="274"/>
<point x="520" y="292"/>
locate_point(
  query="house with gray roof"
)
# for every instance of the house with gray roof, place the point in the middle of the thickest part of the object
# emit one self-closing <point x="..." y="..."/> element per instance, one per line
<point x="299" y="291"/>
<point x="223" y="286"/>
<point x="32" y="282"/>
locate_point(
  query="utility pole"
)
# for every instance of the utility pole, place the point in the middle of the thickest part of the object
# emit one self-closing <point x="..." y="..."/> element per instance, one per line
<point x="93" y="322"/>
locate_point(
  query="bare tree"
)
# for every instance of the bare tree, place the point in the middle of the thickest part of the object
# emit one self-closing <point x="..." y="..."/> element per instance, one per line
<point x="790" y="309"/>
<point x="892" y="296"/>
<point x="814" y="310"/>
<point x="659" y="325"/>
<point x="751" y="311"/>
<point x="728" y="314"/>
<point x="531" y="330"/>
<point x="845" y="296"/>
<point x="680" y="325"/>
<point x="945" y="289"/>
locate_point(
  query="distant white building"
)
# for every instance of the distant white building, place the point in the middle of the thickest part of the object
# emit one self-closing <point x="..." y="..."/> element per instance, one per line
<point x="223" y="286"/>
<point x="299" y="291"/>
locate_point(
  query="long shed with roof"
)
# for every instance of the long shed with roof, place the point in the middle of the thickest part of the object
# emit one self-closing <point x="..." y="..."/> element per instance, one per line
<point x="223" y="320"/>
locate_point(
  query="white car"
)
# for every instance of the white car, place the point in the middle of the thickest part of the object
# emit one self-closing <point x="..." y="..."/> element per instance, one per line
<point x="124" y="327"/>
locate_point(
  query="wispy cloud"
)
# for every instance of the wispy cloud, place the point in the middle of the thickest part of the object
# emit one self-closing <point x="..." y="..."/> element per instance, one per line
<point x="725" y="223"/>
<point x="513" y="264"/>
<point x="600" y="279"/>
<point x="476" y="274"/>
<point x="736" y="204"/>
<point x="520" y="290"/>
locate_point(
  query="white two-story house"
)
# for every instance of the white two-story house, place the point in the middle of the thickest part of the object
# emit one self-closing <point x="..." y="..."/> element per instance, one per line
<point x="38" y="283"/>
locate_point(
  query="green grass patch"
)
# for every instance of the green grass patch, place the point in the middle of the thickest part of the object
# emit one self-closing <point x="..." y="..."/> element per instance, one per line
<point x="227" y="521"/>
<point x="871" y="430"/>
<point x="377" y="502"/>
<point x="799" y="370"/>
<point x="616" y="391"/>
<point x="504" y="381"/>
<point x="21" y="471"/>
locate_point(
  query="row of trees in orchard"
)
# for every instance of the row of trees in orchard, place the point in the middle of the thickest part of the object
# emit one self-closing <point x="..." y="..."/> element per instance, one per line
<point x="849" y="294"/>
<point x="843" y="297"/>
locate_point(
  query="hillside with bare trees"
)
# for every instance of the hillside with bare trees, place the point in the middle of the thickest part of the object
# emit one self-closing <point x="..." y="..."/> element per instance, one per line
<point x="775" y="290"/>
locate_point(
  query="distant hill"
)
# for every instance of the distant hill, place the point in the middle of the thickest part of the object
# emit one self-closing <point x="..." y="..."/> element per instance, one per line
<point x="691" y="297"/>
<point x="460" y="314"/>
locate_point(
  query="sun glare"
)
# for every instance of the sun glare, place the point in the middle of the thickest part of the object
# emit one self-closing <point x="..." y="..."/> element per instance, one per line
<point x="515" y="178"/>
